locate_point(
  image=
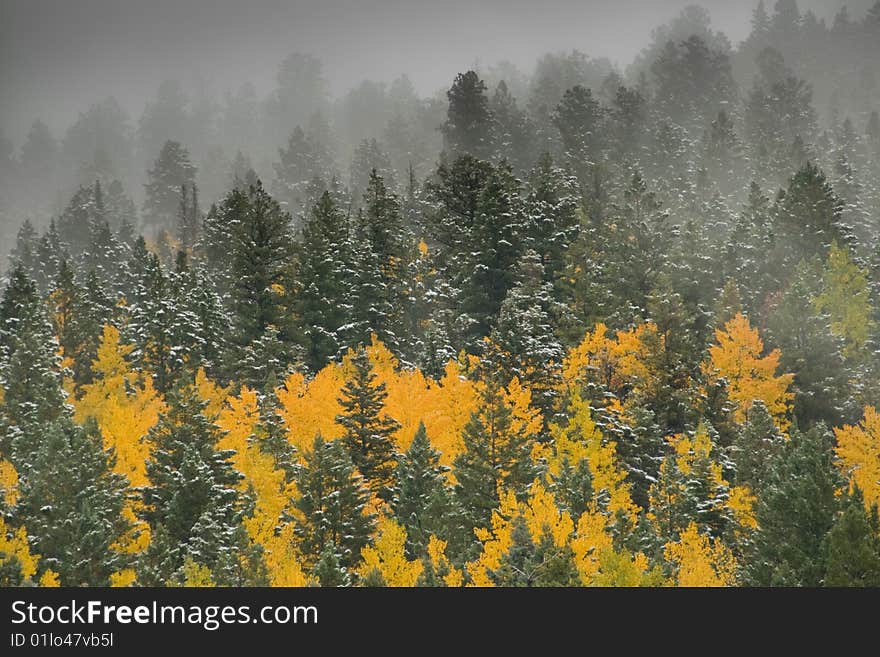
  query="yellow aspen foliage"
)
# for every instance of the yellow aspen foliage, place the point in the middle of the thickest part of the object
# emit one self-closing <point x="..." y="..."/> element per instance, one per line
<point x="591" y="542"/>
<point x="238" y="419"/>
<point x="699" y="561"/>
<point x="196" y="575"/>
<point x="50" y="579"/>
<point x="282" y="560"/>
<point x="210" y="392"/>
<point x="620" y="568"/>
<point x="742" y="501"/>
<point x="309" y="407"/>
<point x="126" y="407"/>
<point x="618" y="363"/>
<point x="846" y="298"/>
<point x="526" y="420"/>
<point x="600" y="564"/>
<point x="496" y="541"/>
<point x="8" y="483"/>
<point x="449" y="407"/>
<point x="388" y="556"/>
<point x="14" y="543"/>
<point x="736" y="357"/>
<point x="542" y="516"/>
<point x="453" y="577"/>
<point x="858" y="451"/>
<point x="123" y="578"/>
<point x="581" y="439"/>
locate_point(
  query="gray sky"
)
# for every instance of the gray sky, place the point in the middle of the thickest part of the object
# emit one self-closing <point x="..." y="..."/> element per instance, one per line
<point x="58" y="56"/>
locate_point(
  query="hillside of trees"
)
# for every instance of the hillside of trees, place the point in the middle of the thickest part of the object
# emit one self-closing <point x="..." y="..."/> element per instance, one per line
<point x="581" y="327"/>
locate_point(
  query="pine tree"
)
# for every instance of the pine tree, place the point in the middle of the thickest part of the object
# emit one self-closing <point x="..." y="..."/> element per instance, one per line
<point x="328" y="571"/>
<point x="748" y="249"/>
<point x="153" y="325"/>
<point x="72" y="503"/>
<point x="369" y="159"/>
<point x="513" y="133"/>
<point x="171" y="171"/>
<point x="497" y="454"/>
<point x="853" y="545"/>
<point x="580" y="120"/>
<point x="24" y="252"/>
<point x="305" y="159"/>
<point x="755" y="447"/>
<point x="258" y="252"/>
<point x="51" y="250"/>
<point x="368" y="431"/>
<point x="420" y="502"/>
<point x="28" y="363"/>
<point x="191" y="498"/>
<point x="468" y="120"/>
<point x="551" y="209"/>
<point x="322" y="304"/>
<point x="822" y="385"/>
<point x="497" y="235"/>
<point x="807" y="219"/>
<point x="795" y="512"/>
<point x="331" y="508"/>
<point x="523" y="343"/>
<point x="527" y="563"/>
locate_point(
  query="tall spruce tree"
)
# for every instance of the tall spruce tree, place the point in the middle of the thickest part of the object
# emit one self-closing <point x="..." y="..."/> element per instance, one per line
<point x="421" y="500"/>
<point x="71" y="502"/>
<point x="171" y="171"/>
<point x="331" y="509"/>
<point x="496" y="455"/>
<point x="796" y="510"/>
<point x="468" y="126"/>
<point x="322" y="304"/>
<point x="368" y="430"/>
<point x="191" y="502"/>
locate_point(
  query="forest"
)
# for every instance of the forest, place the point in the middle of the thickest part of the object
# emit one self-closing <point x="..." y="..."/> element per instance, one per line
<point x="579" y="326"/>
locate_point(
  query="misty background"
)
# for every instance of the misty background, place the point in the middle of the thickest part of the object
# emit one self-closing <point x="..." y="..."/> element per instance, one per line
<point x="92" y="89"/>
<point x="57" y="57"/>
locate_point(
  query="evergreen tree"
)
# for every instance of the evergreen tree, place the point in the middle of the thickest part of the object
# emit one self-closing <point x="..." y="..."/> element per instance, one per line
<point x="497" y="454"/>
<point x="822" y="379"/>
<point x="496" y="247"/>
<point x="369" y="159"/>
<point x="420" y="500"/>
<point x="551" y="209"/>
<point x="71" y="501"/>
<point x="853" y="545"/>
<point x="29" y="367"/>
<point x="191" y="494"/>
<point x="368" y="431"/>
<point x="755" y="447"/>
<point x="305" y="159"/>
<point x="24" y="252"/>
<point x="527" y="563"/>
<point x="795" y="512"/>
<point x="468" y="126"/>
<point x="331" y="509"/>
<point x="171" y="171"/>
<point x="328" y="571"/>
<point x="513" y="134"/>
<point x="807" y="219"/>
<point x="258" y="254"/>
<point x="322" y="304"/>
<point x="523" y="342"/>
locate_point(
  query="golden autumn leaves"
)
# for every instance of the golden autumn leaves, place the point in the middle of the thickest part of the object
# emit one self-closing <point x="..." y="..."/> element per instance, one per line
<point x="126" y="406"/>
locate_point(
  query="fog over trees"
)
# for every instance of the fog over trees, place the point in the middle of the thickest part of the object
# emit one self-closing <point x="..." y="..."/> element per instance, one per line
<point x="572" y="316"/>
